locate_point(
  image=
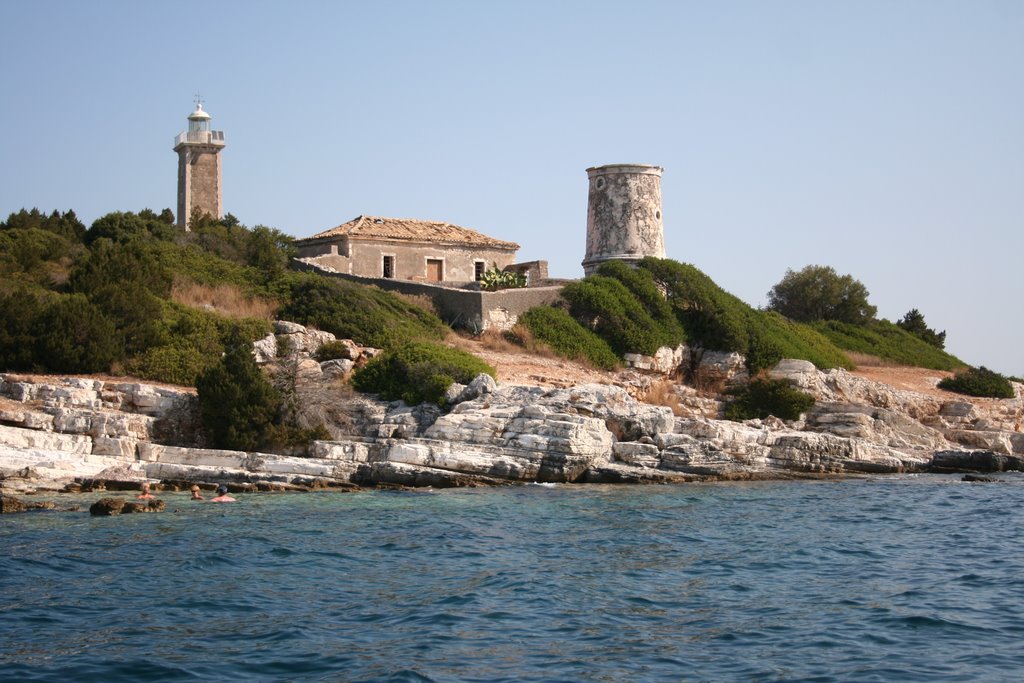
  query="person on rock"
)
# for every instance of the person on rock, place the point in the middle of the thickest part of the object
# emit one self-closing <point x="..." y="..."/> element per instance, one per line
<point x="145" y="495"/>
<point x="222" y="495"/>
<point x="196" y="495"/>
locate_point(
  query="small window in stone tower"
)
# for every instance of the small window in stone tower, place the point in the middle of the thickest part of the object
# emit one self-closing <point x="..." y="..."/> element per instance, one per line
<point x="478" y="270"/>
<point x="389" y="267"/>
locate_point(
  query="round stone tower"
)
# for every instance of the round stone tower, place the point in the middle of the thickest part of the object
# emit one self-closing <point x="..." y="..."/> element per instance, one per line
<point x="624" y="214"/>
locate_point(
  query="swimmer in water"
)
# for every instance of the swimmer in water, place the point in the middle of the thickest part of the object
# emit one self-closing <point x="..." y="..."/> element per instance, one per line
<point x="145" y="495"/>
<point x="222" y="495"/>
<point x="196" y="495"/>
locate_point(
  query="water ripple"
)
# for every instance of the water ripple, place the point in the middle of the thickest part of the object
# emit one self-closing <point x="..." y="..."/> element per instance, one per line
<point x="830" y="581"/>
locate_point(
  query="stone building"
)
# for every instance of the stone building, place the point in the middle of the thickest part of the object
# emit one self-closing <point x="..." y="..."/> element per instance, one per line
<point x="407" y="249"/>
<point x="623" y="214"/>
<point x="199" y="172"/>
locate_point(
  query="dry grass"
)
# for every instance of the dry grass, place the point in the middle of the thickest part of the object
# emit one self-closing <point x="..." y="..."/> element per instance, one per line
<point x="522" y="338"/>
<point x="496" y="340"/>
<point x="662" y="393"/>
<point x="865" y="360"/>
<point x="517" y="341"/>
<point x="227" y="300"/>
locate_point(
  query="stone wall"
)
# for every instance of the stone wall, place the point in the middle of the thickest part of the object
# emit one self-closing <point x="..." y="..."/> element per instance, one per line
<point x="199" y="182"/>
<point x="461" y="308"/>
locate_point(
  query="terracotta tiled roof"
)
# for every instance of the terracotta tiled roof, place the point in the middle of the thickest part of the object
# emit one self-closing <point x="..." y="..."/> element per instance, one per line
<point x="412" y="230"/>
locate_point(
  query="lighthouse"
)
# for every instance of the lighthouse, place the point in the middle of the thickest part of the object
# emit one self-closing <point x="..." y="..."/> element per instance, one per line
<point x="199" y="173"/>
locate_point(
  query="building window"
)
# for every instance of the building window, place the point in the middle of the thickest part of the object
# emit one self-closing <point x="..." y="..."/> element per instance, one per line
<point x="478" y="270"/>
<point x="389" y="267"/>
<point x="435" y="270"/>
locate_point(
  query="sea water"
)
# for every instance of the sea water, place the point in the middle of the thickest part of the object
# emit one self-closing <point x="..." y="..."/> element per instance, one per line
<point x="885" y="579"/>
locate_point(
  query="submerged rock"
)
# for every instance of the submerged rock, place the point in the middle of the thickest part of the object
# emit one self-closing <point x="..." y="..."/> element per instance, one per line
<point x="108" y="507"/>
<point x="9" y="504"/>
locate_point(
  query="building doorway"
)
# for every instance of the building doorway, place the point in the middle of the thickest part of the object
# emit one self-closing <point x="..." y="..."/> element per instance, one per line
<point x="435" y="270"/>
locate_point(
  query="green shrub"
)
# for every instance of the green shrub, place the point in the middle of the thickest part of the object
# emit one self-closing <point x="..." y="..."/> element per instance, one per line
<point x="332" y="350"/>
<point x="64" y="224"/>
<point x="190" y="342"/>
<point x="566" y="337"/>
<point x="494" y="279"/>
<point x="763" y="397"/>
<point x="418" y="372"/>
<point x="370" y="316"/>
<point x="606" y="306"/>
<point x="135" y="313"/>
<point x="32" y="251"/>
<point x="171" y="364"/>
<point x="884" y="339"/>
<point x="136" y="266"/>
<point x="192" y="262"/>
<point x="291" y="438"/>
<point x="642" y="286"/>
<point x="714" y="319"/>
<point x="264" y="252"/>
<point x="124" y="226"/>
<point x="237" y="404"/>
<point x="773" y="337"/>
<point x="979" y="382"/>
<point x="72" y="335"/>
<point x="913" y="322"/>
<point x="19" y="311"/>
<point x="820" y="293"/>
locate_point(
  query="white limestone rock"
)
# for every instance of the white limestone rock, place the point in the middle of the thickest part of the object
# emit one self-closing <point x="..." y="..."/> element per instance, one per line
<point x="336" y="368"/>
<point x="301" y="340"/>
<point x="115" y="447"/>
<point x="878" y="425"/>
<point x="636" y="454"/>
<point x="793" y="370"/>
<point x="350" y="451"/>
<point x="624" y="416"/>
<point x="16" y="437"/>
<point x="265" y="350"/>
<point x="720" y="368"/>
<point x="498" y="463"/>
<point x="28" y="419"/>
<point x="665" y="361"/>
<point x="453" y="393"/>
<point x="286" y="327"/>
<point x="150" y="399"/>
<point x="481" y="385"/>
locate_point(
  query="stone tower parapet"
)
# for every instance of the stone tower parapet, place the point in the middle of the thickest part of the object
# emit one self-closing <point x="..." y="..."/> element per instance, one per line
<point x="624" y="214"/>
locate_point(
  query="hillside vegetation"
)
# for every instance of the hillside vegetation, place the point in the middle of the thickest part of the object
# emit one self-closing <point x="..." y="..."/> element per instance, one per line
<point x="134" y="294"/>
<point x="665" y="303"/>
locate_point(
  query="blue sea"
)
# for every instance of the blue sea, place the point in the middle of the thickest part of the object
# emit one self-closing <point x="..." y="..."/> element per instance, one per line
<point x="917" y="578"/>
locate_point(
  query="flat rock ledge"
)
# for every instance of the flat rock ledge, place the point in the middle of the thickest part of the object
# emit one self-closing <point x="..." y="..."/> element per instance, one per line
<point x="74" y="434"/>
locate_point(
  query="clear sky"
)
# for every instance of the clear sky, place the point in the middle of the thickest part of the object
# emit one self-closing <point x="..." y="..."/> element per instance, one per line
<point x="884" y="139"/>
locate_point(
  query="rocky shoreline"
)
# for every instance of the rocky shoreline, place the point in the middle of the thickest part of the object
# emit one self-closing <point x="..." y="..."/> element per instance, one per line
<point x="66" y="433"/>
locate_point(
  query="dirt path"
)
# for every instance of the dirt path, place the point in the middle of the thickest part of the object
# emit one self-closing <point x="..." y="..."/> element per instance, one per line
<point x="516" y="367"/>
